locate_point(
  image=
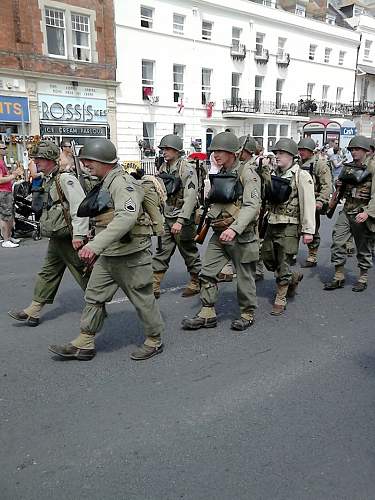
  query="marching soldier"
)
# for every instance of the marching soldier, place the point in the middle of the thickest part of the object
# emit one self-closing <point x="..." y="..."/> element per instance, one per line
<point x="62" y="195"/>
<point x="234" y="207"/>
<point x="120" y="254"/>
<point x="320" y="172"/>
<point x="291" y="211"/>
<point x="357" y="186"/>
<point x="181" y="184"/>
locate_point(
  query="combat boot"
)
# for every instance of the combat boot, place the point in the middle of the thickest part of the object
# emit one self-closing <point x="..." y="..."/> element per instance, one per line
<point x="280" y="300"/>
<point x="243" y="323"/>
<point x="206" y="318"/>
<point x="338" y="280"/>
<point x="70" y="351"/>
<point x="157" y="279"/>
<point x="312" y="258"/>
<point x="293" y="285"/>
<point x="146" y="351"/>
<point x="30" y="315"/>
<point x="193" y="287"/>
<point x="361" y="283"/>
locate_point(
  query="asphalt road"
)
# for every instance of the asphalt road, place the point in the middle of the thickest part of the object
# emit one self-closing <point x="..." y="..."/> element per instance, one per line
<point x="284" y="411"/>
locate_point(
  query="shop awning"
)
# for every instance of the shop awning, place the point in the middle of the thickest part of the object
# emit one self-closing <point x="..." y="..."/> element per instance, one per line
<point x="369" y="70"/>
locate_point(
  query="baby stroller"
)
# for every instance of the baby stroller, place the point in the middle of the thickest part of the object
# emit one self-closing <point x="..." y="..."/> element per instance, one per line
<point x="25" y="220"/>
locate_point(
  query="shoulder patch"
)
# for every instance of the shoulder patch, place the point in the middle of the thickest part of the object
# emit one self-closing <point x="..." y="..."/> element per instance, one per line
<point x="70" y="182"/>
<point x="129" y="188"/>
<point x="191" y="185"/>
<point x="129" y="205"/>
<point x="254" y="193"/>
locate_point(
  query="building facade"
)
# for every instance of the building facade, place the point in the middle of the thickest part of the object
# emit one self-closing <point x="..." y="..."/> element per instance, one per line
<point x="58" y="71"/>
<point x="199" y="68"/>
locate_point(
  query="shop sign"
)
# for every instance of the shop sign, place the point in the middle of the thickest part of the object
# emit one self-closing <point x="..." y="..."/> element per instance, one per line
<point x="72" y="131"/>
<point x="350" y="131"/>
<point x="72" y="109"/>
<point x="14" y="109"/>
<point x="61" y="89"/>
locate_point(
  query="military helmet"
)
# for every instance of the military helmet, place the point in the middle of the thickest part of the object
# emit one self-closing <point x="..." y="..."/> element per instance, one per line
<point x="360" y="141"/>
<point x="251" y="143"/>
<point x="46" y="150"/>
<point x="225" y="141"/>
<point x="171" y="141"/>
<point x="102" y="150"/>
<point x="65" y="143"/>
<point x="287" y="145"/>
<point x="307" y="143"/>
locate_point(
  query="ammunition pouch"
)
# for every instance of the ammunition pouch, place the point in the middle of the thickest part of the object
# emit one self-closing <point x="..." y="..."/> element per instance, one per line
<point x="351" y="175"/>
<point x="278" y="191"/>
<point x="102" y="220"/>
<point x="225" y="188"/>
<point x="222" y="224"/>
<point x="172" y="183"/>
<point x="53" y="223"/>
<point x="97" y="201"/>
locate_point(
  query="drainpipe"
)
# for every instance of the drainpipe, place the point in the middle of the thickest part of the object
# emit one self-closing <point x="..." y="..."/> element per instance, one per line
<point x="356" y="69"/>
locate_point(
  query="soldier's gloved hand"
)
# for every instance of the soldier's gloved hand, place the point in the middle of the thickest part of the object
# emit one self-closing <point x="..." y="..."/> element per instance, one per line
<point x="77" y="244"/>
<point x="319" y="205"/>
<point x="87" y="255"/>
<point x="308" y="238"/>
<point x="176" y="228"/>
<point x="228" y="235"/>
<point x="361" y="217"/>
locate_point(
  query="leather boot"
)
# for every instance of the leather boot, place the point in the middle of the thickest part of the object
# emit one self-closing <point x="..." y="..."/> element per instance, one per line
<point x="280" y="300"/>
<point x="338" y="280"/>
<point x="193" y="287"/>
<point x="206" y="318"/>
<point x="311" y="260"/>
<point x="361" y="283"/>
<point x="157" y="279"/>
<point x="293" y="285"/>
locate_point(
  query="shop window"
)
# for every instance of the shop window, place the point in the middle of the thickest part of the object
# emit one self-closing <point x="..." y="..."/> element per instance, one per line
<point x="69" y="33"/>
<point x="284" y="130"/>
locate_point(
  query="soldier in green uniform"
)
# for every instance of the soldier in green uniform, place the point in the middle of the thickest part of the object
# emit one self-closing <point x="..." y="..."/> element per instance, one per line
<point x="291" y="211"/>
<point x="357" y="186"/>
<point x="234" y="208"/>
<point x="120" y="254"/>
<point x="62" y="195"/>
<point x="181" y="183"/>
<point x="320" y="172"/>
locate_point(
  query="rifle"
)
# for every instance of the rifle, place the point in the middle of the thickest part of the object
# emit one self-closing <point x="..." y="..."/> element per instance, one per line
<point x="263" y="219"/>
<point x="203" y="225"/>
<point x="335" y="200"/>
<point x="77" y="166"/>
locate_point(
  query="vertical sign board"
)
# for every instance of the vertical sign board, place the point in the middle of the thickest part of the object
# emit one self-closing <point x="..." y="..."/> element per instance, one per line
<point x="14" y="109"/>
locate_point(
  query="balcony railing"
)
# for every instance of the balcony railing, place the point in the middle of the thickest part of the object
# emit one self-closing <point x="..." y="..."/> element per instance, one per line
<point x="238" y="51"/>
<point x="283" y="59"/>
<point x="261" y="56"/>
<point x="364" y="107"/>
<point x="253" y="106"/>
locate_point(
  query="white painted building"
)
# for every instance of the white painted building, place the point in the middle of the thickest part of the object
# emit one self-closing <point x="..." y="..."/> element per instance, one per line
<point x="247" y="63"/>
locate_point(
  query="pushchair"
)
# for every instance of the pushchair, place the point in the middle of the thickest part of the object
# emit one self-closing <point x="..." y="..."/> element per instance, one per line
<point x="25" y="219"/>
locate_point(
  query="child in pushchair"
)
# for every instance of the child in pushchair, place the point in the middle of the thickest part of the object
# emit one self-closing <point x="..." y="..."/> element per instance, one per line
<point x="26" y="222"/>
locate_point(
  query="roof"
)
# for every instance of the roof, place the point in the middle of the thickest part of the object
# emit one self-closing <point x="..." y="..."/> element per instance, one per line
<point x="369" y="70"/>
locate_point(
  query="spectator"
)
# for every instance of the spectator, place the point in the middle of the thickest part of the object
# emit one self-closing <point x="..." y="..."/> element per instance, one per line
<point x="6" y="201"/>
<point x="336" y="159"/>
<point x="36" y="189"/>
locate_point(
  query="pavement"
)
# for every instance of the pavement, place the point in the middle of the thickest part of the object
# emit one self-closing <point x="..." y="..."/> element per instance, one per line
<point x="283" y="411"/>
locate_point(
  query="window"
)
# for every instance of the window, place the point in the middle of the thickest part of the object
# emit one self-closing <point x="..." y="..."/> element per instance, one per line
<point x="259" y="40"/>
<point x="284" y="130"/>
<point x="81" y="37"/>
<point x="300" y="10"/>
<point x="368" y="44"/>
<point x="236" y="37"/>
<point x="258" y="132"/>
<point x="339" y="94"/>
<point x="147" y="79"/>
<point x="146" y="17"/>
<point x="148" y="135"/>
<point x="271" y="135"/>
<point x="55" y="28"/>
<point x="178" y="24"/>
<point x="279" y="92"/>
<point x="312" y="52"/>
<point x="178" y="82"/>
<point x="178" y="129"/>
<point x="341" y="57"/>
<point x="325" y="89"/>
<point x="206" y="85"/>
<point x="330" y="19"/>
<point x="357" y="11"/>
<point x="206" y="30"/>
<point x="235" y="93"/>
<point x="258" y="92"/>
<point x="281" y="46"/>
<point x="310" y="89"/>
<point x="327" y="54"/>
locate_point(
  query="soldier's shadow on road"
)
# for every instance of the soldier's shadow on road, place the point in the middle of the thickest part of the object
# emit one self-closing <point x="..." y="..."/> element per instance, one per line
<point x="366" y="362"/>
<point x="120" y="329"/>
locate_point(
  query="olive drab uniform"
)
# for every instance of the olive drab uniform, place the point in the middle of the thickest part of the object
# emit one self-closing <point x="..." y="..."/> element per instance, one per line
<point x="320" y="172"/>
<point x="60" y="252"/>
<point x="240" y="215"/>
<point x="286" y="221"/>
<point x="122" y="241"/>
<point x="180" y="179"/>
<point x="359" y="194"/>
